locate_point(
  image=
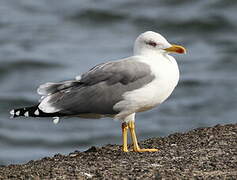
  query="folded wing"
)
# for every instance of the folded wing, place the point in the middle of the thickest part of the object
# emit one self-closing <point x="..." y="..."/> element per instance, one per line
<point x="98" y="90"/>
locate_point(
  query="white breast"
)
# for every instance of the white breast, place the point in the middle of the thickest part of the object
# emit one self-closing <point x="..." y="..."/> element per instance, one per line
<point x="167" y="76"/>
<point x="166" y="72"/>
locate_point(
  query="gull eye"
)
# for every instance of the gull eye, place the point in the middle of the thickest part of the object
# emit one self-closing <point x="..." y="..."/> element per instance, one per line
<point x="151" y="43"/>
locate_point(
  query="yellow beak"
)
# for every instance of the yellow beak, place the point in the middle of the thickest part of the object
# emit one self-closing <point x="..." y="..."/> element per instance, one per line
<point x="176" y="49"/>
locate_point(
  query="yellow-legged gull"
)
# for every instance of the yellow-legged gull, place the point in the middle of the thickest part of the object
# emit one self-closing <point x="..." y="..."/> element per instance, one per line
<point x="117" y="89"/>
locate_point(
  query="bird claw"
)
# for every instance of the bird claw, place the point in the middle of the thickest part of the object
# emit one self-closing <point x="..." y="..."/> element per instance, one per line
<point x="145" y="150"/>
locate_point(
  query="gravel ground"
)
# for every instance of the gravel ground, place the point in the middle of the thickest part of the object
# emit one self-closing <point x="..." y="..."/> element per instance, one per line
<point x="204" y="153"/>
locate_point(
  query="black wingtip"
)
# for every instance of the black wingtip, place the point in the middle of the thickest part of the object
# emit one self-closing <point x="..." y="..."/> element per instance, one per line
<point x="27" y="112"/>
<point x="33" y="111"/>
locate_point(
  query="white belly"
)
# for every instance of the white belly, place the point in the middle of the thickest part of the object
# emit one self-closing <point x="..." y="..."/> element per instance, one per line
<point x="166" y="74"/>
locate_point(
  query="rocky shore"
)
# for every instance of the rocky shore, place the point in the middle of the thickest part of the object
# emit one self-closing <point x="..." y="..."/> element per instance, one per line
<point x="204" y="153"/>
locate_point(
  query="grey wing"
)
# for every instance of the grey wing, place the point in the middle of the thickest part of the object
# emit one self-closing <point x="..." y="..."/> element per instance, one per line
<point x="99" y="89"/>
<point x="51" y="88"/>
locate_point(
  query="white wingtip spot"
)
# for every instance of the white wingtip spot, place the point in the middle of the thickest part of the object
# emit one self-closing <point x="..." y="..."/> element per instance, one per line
<point x="78" y="78"/>
<point x="26" y="114"/>
<point x="12" y="112"/>
<point x="55" y="120"/>
<point x="17" y="113"/>
<point x="36" y="112"/>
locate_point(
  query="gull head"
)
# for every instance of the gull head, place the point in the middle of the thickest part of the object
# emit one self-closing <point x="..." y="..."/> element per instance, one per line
<point x="151" y="43"/>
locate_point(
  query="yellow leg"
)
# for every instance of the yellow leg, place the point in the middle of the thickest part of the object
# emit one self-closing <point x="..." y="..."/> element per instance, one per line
<point x="136" y="148"/>
<point x="125" y="136"/>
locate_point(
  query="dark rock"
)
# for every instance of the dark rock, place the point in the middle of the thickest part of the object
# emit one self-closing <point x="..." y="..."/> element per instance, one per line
<point x="203" y="153"/>
<point x="92" y="149"/>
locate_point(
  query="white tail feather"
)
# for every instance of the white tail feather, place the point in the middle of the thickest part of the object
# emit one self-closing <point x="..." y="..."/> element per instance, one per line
<point x="46" y="106"/>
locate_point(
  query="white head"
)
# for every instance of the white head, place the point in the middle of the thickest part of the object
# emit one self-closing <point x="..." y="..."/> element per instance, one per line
<point x="152" y="43"/>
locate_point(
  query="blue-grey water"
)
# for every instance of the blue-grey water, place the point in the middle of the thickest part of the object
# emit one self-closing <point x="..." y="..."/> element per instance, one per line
<point x="54" y="40"/>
